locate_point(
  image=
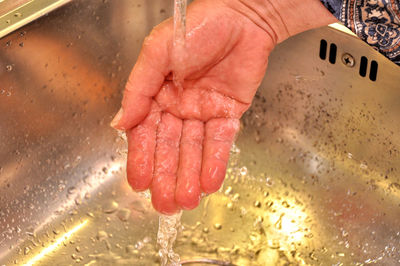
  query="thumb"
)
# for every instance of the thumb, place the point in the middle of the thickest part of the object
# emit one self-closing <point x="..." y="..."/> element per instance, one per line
<point x="146" y="78"/>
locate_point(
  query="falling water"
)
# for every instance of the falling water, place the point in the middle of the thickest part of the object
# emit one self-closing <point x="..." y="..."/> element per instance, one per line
<point x="167" y="231"/>
<point x="169" y="225"/>
<point x="179" y="43"/>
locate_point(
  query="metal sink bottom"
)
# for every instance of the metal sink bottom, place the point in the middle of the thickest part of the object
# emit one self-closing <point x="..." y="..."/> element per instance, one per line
<point x="313" y="178"/>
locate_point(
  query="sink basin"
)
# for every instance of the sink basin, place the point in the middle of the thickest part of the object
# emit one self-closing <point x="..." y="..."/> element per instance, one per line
<point x="313" y="177"/>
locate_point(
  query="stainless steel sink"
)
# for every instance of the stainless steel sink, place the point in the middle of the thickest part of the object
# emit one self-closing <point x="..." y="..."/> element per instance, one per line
<point x="313" y="178"/>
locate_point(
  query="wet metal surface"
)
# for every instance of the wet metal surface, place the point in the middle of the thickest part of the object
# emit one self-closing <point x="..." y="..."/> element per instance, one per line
<point x="17" y="13"/>
<point x="313" y="178"/>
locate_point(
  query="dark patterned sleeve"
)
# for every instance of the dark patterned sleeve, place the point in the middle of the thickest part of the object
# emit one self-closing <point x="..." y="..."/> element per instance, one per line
<point x="377" y="22"/>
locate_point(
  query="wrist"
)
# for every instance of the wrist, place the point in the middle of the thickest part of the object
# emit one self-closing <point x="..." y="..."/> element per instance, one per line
<point x="282" y="19"/>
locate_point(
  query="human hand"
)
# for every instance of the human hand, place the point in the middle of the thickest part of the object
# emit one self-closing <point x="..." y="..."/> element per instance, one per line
<point x="179" y="141"/>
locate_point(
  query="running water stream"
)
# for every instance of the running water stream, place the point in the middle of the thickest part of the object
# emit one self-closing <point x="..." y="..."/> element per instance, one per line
<point x="168" y="226"/>
<point x="179" y="43"/>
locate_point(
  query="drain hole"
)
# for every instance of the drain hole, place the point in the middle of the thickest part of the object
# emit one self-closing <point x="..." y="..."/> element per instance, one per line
<point x="373" y="71"/>
<point x="332" y="53"/>
<point x="322" y="49"/>
<point x="363" y="66"/>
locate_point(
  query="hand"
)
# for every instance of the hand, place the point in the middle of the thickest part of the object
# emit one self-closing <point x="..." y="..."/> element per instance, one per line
<point x="179" y="141"/>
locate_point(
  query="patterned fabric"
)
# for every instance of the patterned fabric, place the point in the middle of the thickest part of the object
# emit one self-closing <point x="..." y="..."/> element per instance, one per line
<point x="377" y="22"/>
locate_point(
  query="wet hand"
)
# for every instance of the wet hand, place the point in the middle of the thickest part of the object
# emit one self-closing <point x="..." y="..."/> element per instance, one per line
<point x="179" y="140"/>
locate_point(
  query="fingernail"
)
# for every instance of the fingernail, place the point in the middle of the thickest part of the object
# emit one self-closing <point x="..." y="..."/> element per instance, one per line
<point x="114" y="123"/>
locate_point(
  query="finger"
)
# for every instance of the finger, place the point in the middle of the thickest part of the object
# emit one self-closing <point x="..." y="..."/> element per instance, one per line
<point x="141" y="148"/>
<point x="166" y="164"/>
<point x="219" y="136"/>
<point x="146" y="78"/>
<point x="197" y="103"/>
<point x="188" y="191"/>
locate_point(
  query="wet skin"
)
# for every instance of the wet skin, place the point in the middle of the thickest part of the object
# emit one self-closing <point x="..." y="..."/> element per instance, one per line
<point x="179" y="139"/>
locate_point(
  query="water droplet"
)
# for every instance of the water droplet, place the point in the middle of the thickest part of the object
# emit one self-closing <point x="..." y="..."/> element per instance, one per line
<point x="309" y="235"/>
<point x="139" y="245"/>
<point x="278" y="224"/>
<point x="273" y="243"/>
<point x="101" y="235"/>
<point x="130" y="249"/>
<point x="78" y="200"/>
<point x="110" y="207"/>
<point x="145" y="194"/>
<point x="228" y="190"/>
<point x="9" y="68"/>
<point x="312" y="256"/>
<point x="217" y="226"/>
<point x="26" y="250"/>
<point x="243" y="170"/>
<point x="108" y="245"/>
<point x="269" y="181"/>
<point x="122" y="135"/>
<point x="257" y="204"/>
<point x="124" y="214"/>
<point x="395" y="185"/>
<point x="236" y="197"/>
<point x="71" y="190"/>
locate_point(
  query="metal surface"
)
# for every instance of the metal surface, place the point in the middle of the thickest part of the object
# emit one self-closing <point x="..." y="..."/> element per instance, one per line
<point x="316" y="180"/>
<point x="17" y="13"/>
<point x="348" y="60"/>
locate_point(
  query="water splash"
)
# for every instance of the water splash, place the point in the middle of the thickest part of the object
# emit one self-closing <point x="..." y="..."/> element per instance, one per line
<point x="179" y="43"/>
<point x="167" y="231"/>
